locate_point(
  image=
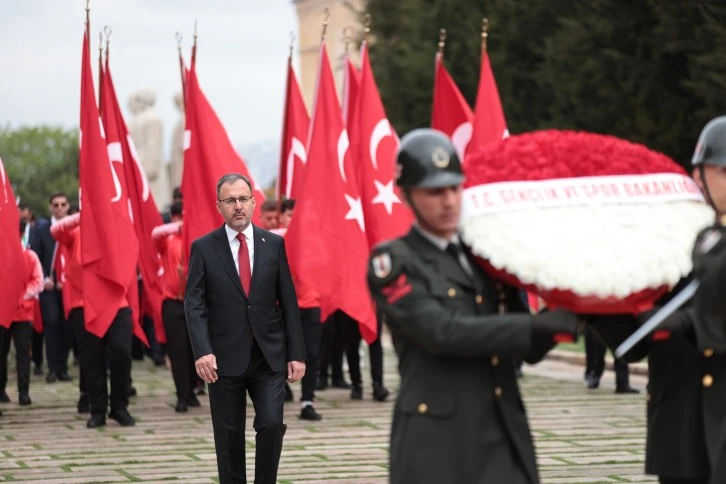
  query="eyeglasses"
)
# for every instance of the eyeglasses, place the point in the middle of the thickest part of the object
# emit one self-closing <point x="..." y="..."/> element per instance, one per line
<point x="232" y="201"/>
<point x="58" y="205"/>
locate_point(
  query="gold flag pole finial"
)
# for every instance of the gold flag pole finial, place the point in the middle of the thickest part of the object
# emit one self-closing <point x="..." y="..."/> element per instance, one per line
<point x="194" y="44"/>
<point x="442" y="40"/>
<point x="100" y="72"/>
<point x="107" y="31"/>
<point x="292" y="42"/>
<point x="484" y="33"/>
<point x="367" y="27"/>
<point x="347" y="37"/>
<point x="179" y="40"/>
<point x="88" y="23"/>
<point x="325" y="24"/>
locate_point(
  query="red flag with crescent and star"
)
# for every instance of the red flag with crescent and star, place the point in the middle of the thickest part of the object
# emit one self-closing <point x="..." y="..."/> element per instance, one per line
<point x="450" y="113"/>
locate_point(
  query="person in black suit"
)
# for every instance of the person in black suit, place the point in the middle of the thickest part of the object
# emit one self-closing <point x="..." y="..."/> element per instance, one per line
<point x="245" y="330"/>
<point x="58" y="334"/>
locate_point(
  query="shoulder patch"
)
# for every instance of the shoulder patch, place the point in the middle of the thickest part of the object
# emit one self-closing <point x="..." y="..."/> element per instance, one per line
<point x="387" y="262"/>
<point x="381" y="265"/>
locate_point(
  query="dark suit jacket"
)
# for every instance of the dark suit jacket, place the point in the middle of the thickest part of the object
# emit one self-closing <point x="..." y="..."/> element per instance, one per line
<point x="459" y="416"/>
<point x="43" y="244"/>
<point x="220" y="316"/>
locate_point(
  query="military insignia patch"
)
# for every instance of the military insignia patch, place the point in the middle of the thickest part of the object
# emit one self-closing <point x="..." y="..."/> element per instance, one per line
<point x="382" y="265"/>
<point x="440" y="157"/>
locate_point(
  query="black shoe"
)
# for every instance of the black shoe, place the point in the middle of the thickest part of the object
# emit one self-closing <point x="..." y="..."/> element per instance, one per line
<point x="627" y="389"/>
<point x="83" y="406"/>
<point x="38" y="370"/>
<point x="288" y="393"/>
<point x="181" y="405"/>
<point x="342" y="384"/>
<point x="158" y="360"/>
<point x="4" y="398"/>
<point x="321" y="384"/>
<point x="356" y="393"/>
<point x="309" y="413"/>
<point x="593" y="383"/>
<point x="193" y="401"/>
<point x="131" y="392"/>
<point x="51" y="378"/>
<point x="64" y="376"/>
<point x="380" y="393"/>
<point x="24" y="399"/>
<point x="123" y="417"/>
<point x="96" y="421"/>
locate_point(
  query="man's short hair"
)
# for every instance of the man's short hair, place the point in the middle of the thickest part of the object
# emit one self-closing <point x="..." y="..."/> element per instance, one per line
<point x="231" y="178"/>
<point x="270" y="205"/>
<point x="22" y="205"/>
<point x="176" y="208"/>
<point x="287" y="204"/>
<point x="57" y="195"/>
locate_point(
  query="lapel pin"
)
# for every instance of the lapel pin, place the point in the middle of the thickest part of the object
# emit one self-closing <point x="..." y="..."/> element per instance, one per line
<point x="263" y="239"/>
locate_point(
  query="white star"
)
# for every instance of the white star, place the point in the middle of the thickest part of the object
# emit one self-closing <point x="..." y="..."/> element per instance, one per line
<point x="386" y="195"/>
<point x="355" y="212"/>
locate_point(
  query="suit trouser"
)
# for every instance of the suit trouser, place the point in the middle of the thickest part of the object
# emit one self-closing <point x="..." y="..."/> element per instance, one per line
<point x="114" y="348"/>
<point x="312" y="332"/>
<point x="228" y="401"/>
<point x="375" y="351"/>
<point x="58" y="334"/>
<point x="178" y="347"/>
<point x="77" y="322"/>
<point x="665" y="480"/>
<point x="20" y="332"/>
<point x="332" y="345"/>
<point x="595" y="360"/>
<point x="37" y="345"/>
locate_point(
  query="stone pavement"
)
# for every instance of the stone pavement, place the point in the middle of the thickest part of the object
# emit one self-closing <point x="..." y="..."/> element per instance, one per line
<point x="581" y="436"/>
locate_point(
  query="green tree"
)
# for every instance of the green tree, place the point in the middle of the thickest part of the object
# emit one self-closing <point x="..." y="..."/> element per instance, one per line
<point x="40" y="161"/>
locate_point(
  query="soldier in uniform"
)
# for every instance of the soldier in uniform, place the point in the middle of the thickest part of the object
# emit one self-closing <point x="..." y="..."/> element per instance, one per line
<point x="459" y="417"/>
<point x="686" y="401"/>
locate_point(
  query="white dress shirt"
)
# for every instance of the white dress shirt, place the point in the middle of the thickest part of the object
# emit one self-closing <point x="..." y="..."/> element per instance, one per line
<point x="234" y="245"/>
<point x="442" y="244"/>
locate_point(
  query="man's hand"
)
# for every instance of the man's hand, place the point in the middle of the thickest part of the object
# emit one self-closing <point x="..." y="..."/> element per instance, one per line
<point x="207" y="368"/>
<point x="59" y="285"/>
<point x="295" y="371"/>
<point x="48" y="284"/>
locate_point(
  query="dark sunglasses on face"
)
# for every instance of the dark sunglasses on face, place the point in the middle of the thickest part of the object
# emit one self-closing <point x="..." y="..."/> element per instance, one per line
<point x="60" y="204"/>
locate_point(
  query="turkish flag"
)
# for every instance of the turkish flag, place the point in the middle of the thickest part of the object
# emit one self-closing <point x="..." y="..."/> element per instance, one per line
<point x="208" y="155"/>
<point x="451" y="113"/>
<point x="109" y="245"/>
<point x="326" y="241"/>
<point x="294" y="139"/>
<point x="351" y="88"/>
<point x="386" y="216"/>
<point x="145" y="216"/>
<point x="14" y="273"/>
<point x="489" y="125"/>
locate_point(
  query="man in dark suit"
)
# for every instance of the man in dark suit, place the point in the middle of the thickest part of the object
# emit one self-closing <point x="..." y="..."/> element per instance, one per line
<point x="245" y="330"/>
<point x="58" y="334"/>
<point x="459" y="417"/>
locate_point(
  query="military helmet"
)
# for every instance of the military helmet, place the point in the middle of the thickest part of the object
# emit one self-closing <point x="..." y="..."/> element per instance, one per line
<point x="427" y="159"/>
<point x="711" y="146"/>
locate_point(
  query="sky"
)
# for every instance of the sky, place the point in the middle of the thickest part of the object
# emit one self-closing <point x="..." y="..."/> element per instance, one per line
<point x="241" y="59"/>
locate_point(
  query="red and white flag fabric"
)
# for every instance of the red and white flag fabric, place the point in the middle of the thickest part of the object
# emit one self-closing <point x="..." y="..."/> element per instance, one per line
<point x="208" y="155"/>
<point x="386" y="217"/>
<point x="14" y="271"/>
<point x="109" y="246"/>
<point x="450" y="113"/>
<point x="293" y="152"/>
<point x="489" y="124"/>
<point x="142" y="207"/>
<point x="326" y="241"/>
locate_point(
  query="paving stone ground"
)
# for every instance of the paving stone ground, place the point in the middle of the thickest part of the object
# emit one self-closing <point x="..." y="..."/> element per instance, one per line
<point x="581" y="436"/>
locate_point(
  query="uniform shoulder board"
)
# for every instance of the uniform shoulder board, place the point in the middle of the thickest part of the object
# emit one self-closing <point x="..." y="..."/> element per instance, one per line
<point x="387" y="261"/>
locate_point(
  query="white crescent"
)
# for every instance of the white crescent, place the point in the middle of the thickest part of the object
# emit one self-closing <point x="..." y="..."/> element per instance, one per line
<point x="380" y="131"/>
<point x="343" y="144"/>
<point x="296" y="149"/>
<point x="115" y="154"/>
<point x="139" y="169"/>
<point x="2" y="172"/>
<point x="460" y="138"/>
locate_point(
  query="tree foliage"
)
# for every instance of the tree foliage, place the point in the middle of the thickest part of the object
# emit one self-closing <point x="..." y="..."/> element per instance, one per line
<point x="648" y="71"/>
<point x="40" y="161"/>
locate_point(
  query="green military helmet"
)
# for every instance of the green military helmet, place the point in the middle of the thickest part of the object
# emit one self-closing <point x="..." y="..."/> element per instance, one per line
<point x="427" y="159"/>
<point x="711" y="146"/>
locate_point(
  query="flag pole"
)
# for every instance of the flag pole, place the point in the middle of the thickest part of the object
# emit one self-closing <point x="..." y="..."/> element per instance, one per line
<point x="325" y="24"/>
<point x="484" y="33"/>
<point x="88" y="23"/>
<point x="366" y="28"/>
<point x="194" y="45"/>
<point x="100" y="71"/>
<point x="179" y="39"/>
<point x="442" y="41"/>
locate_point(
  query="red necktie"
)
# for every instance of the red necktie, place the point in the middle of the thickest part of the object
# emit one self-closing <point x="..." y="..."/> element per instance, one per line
<point x="243" y="256"/>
